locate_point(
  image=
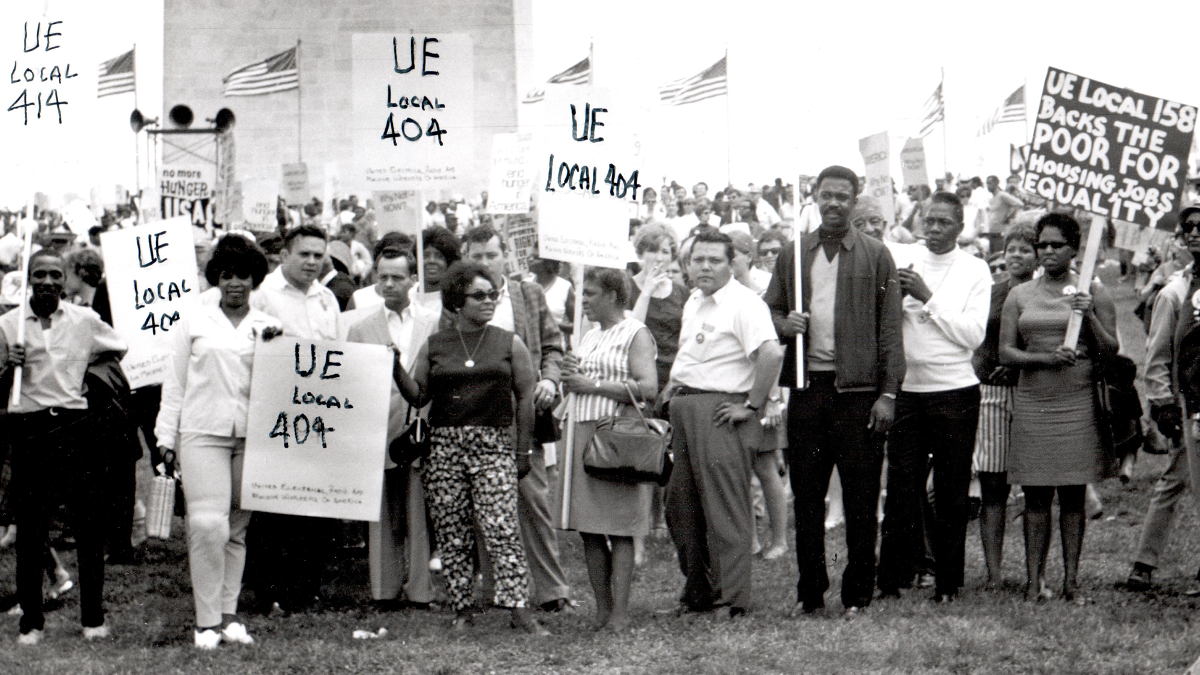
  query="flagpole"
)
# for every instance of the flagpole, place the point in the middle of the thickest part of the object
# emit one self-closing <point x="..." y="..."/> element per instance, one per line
<point x="137" y="154"/>
<point x="728" y="131"/>
<point x="942" y="87"/>
<point x="1025" y="104"/>
<point x="299" y="111"/>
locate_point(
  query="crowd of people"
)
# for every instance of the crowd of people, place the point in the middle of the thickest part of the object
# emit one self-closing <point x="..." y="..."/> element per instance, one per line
<point x="878" y="355"/>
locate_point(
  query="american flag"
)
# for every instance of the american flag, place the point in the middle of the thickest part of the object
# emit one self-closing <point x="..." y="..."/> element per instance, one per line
<point x="580" y="73"/>
<point x="1012" y="110"/>
<point x="116" y="76"/>
<point x="710" y="83"/>
<point x="935" y="111"/>
<point x="277" y="73"/>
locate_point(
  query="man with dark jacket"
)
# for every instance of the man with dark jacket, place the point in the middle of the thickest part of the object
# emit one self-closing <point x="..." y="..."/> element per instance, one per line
<point x="851" y="319"/>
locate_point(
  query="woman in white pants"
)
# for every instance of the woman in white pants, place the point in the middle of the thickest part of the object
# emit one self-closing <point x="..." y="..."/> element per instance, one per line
<point x="205" y="401"/>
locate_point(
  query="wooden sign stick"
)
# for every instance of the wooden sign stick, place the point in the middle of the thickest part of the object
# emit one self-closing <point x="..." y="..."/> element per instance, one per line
<point x="569" y="454"/>
<point x="1086" y="272"/>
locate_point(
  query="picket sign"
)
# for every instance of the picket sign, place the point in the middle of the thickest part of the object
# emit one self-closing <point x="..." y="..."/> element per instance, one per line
<point x="1086" y="272"/>
<point x="801" y="379"/>
<point x="26" y="247"/>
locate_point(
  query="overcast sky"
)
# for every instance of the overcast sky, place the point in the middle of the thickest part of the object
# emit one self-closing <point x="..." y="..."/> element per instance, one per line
<point x="806" y="80"/>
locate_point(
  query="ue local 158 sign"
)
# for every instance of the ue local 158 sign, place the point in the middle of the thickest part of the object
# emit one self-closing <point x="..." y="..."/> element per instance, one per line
<point x="152" y="285"/>
<point x="414" y="118"/>
<point x="590" y="159"/>
<point x="1111" y="151"/>
<point x="317" y="431"/>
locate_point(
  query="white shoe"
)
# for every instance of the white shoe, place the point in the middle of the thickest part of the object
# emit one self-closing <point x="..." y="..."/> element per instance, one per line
<point x="10" y="537"/>
<point x="16" y="611"/>
<point x="236" y="632"/>
<point x="435" y="563"/>
<point x="208" y="639"/>
<point x="100" y="632"/>
<point x="31" y="638"/>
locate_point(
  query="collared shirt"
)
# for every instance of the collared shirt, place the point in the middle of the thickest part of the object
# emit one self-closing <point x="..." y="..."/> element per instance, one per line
<point x="400" y="325"/>
<point x="719" y="334"/>
<point x="312" y="315"/>
<point x="1172" y="303"/>
<point x="207" y="388"/>
<point x="366" y="298"/>
<point x="56" y="358"/>
<point x="503" y="318"/>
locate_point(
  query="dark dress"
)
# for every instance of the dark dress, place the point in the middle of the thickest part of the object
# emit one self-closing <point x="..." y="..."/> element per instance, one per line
<point x="664" y="318"/>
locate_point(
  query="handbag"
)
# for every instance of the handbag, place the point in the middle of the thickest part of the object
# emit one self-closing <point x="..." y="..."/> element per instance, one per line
<point x="1118" y="406"/>
<point x="160" y="507"/>
<point x="630" y="449"/>
<point x="412" y="444"/>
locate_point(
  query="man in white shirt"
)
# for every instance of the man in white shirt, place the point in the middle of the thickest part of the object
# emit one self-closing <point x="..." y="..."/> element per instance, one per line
<point x="287" y="555"/>
<point x="729" y="358"/>
<point x="398" y="545"/>
<point x="762" y="210"/>
<point x="947" y="295"/>
<point x="522" y="309"/>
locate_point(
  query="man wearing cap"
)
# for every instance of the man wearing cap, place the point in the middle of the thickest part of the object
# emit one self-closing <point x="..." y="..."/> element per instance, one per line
<point x="851" y="318"/>
<point x="728" y="360"/>
<point x="1173" y="313"/>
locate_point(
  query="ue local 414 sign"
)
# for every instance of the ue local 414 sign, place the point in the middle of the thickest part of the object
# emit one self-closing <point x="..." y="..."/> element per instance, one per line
<point x="1109" y="150"/>
<point x="591" y="182"/>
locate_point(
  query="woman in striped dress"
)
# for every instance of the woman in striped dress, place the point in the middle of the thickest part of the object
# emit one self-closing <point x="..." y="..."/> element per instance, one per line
<point x="614" y="358"/>
<point x="997" y="386"/>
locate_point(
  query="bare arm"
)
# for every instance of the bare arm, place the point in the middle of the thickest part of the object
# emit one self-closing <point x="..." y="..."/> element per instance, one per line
<point x="524" y="381"/>
<point x="644" y="382"/>
<point x="1102" y="320"/>
<point x="1012" y="355"/>
<point x="413" y="386"/>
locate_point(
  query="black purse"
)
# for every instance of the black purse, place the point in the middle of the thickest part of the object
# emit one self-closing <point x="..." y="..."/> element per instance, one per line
<point x="411" y="445"/>
<point x="630" y="449"/>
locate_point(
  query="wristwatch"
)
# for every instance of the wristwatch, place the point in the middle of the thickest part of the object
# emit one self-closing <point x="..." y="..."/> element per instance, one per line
<point x="751" y="406"/>
<point x="888" y="394"/>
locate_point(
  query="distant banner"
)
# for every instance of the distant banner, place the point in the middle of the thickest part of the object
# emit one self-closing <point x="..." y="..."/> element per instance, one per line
<point x="877" y="156"/>
<point x="1139" y="239"/>
<point x="260" y="201"/>
<point x="187" y="190"/>
<point x="294" y="187"/>
<point x="1111" y="151"/>
<point x="413" y="96"/>
<point x="152" y="282"/>
<point x="317" y="431"/>
<point x="511" y="178"/>
<point x="397" y="211"/>
<point x="912" y="163"/>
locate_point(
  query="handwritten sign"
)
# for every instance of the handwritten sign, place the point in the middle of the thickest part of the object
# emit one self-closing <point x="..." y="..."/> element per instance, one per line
<point x="397" y="211"/>
<point x="317" y="431"/>
<point x="414" y="113"/>
<point x="877" y="156"/>
<point x="511" y="178"/>
<point x="186" y="190"/>
<point x="260" y="201"/>
<point x="152" y="284"/>
<point x="295" y="183"/>
<point x="912" y="163"/>
<point x="1111" y="151"/>
<point x="591" y="177"/>
<point x="44" y="78"/>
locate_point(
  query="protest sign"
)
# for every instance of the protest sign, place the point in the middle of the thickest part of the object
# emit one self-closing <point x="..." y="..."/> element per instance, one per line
<point x="511" y="178"/>
<point x="294" y="187"/>
<point x="583" y="204"/>
<point x="152" y="285"/>
<point x="414" y="112"/>
<point x="912" y="163"/>
<point x="187" y="190"/>
<point x="317" y="431"/>
<point x="1108" y="150"/>
<point x="877" y="156"/>
<point x="1139" y="238"/>
<point x="520" y="231"/>
<point x="397" y="211"/>
<point x="260" y="201"/>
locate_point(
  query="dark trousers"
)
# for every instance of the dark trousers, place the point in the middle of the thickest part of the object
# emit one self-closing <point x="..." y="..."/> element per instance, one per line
<point x="943" y="424"/>
<point x="146" y="402"/>
<point x="708" y="500"/>
<point x="286" y="558"/>
<point x="122" y="488"/>
<point x="53" y="463"/>
<point x="827" y="428"/>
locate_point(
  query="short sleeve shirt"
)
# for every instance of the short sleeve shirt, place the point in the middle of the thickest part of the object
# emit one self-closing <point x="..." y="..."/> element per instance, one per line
<point x="719" y="334"/>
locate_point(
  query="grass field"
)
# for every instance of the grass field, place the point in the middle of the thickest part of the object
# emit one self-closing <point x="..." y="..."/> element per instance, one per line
<point x="150" y="611"/>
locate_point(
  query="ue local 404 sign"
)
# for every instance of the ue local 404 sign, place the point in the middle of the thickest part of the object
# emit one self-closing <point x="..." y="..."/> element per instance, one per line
<point x="1111" y="151"/>
<point x="591" y="160"/>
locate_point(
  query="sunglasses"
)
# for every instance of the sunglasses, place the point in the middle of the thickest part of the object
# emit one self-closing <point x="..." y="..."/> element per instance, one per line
<point x="1056" y="245"/>
<point x="480" y="296"/>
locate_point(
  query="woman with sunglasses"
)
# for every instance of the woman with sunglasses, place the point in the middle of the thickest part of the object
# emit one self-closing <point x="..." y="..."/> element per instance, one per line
<point x="1056" y="442"/>
<point x="477" y="379"/>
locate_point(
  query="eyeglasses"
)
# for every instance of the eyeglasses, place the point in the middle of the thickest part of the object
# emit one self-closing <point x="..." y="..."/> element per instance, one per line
<point x="480" y="296"/>
<point x="1056" y="245"/>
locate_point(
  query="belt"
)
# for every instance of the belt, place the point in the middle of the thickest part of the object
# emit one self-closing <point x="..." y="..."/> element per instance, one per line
<point x="692" y="391"/>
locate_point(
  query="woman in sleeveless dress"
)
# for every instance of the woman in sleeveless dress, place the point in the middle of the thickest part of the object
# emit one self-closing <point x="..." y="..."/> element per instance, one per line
<point x="613" y="359"/>
<point x="1056" y="441"/>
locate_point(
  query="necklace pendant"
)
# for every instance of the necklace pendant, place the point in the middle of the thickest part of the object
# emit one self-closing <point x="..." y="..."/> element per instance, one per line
<point x="470" y="363"/>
